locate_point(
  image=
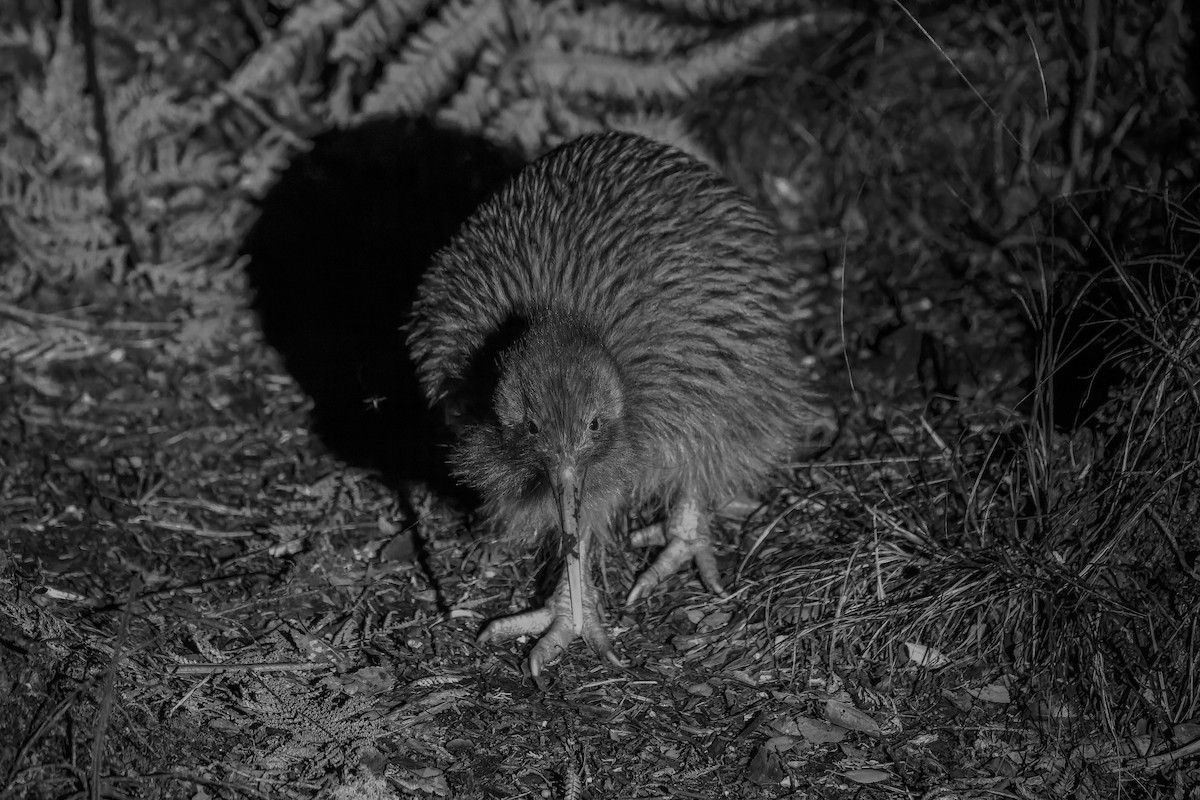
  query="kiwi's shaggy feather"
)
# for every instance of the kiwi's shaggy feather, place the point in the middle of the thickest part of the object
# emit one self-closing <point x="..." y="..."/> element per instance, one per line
<point x="620" y="280"/>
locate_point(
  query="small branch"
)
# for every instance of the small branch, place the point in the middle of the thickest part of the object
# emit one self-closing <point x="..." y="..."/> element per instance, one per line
<point x="1178" y="754"/>
<point x="261" y="666"/>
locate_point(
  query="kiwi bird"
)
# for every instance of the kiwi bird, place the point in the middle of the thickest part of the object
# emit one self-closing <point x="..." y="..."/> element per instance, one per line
<point x="610" y="328"/>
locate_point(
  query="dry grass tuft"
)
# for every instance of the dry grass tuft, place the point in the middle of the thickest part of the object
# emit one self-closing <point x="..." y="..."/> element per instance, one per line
<point x="1006" y="196"/>
<point x="1065" y="559"/>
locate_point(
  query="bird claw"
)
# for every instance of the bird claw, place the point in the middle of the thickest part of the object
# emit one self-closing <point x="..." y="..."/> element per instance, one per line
<point x="652" y="535"/>
<point x="555" y="624"/>
<point x="527" y="622"/>
<point x="677" y="553"/>
<point x="560" y="634"/>
<point x="687" y="541"/>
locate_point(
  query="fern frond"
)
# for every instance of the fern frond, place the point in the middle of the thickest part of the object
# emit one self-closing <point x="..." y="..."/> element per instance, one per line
<point x="617" y="29"/>
<point x="32" y="198"/>
<point x="170" y="164"/>
<point x="193" y="233"/>
<point x="177" y="182"/>
<point x="607" y="77"/>
<point x="144" y="111"/>
<point x="55" y="111"/>
<point x="376" y="30"/>
<point x="133" y="93"/>
<point x="470" y="109"/>
<point x="521" y="126"/>
<point x="481" y="97"/>
<point x="729" y="10"/>
<point x="24" y="344"/>
<point x="322" y="727"/>
<point x="301" y="38"/>
<point x="81" y="237"/>
<point x="433" y="57"/>
<point x="59" y="231"/>
<point x="66" y="250"/>
<point x="357" y="48"/>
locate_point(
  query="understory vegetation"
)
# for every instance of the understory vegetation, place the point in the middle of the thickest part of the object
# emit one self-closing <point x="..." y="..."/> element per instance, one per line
<point x="232" y="564"/>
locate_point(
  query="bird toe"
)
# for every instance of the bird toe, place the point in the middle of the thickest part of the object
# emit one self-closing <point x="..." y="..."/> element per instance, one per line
<point x="552" y="645"/>
<point x="677" y="553"/>
<point x="652" y="535"/>
<point x="710" y="576"/>
<point x="526" y="623"/>
<point x="595" y="634"/>
<point x="641" y="588"/>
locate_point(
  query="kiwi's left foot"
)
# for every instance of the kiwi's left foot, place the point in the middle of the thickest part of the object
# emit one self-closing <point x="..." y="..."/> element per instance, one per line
<point x="687" y="540"/>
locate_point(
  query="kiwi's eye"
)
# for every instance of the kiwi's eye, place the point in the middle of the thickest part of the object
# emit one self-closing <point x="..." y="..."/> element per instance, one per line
<point x="594" y="425"/>
<point x="532" y="426"/>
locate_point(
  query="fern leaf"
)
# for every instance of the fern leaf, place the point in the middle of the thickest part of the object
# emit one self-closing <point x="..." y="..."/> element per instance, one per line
<point x="522" y="126"/>
<point x="376" y="30"/>
<point x="193" y="234"/>
<point x="618" y="29"/>
<point x="431" y="60"/>
<point x="729" y="10"/>
<point x="357" y="48"/>
<point x="321" y="727"/>
<point x="607" y="77"/>
<point x="66" y="250"/>
<point x="469" y="110"/>
<point x="302" y="36"/>
<point x="171" y="164"/>
<point x="54" y="203"/>
<point x="23" y="344"/>
<point x="55" y="111"/>
<point x="481" y="97"/>
<point x="145" y="111"/>
<point x="77" y="237"/>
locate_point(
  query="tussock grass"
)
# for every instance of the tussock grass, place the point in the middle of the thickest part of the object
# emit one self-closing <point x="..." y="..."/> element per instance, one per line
<point x="1066" y="560"/>
<point x="1009" y="187"/>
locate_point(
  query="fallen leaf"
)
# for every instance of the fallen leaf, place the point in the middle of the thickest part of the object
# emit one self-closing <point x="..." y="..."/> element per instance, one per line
<point x="744" y="677"/>
<point x="1050" y="709"/>
<point x="402" y="546"/>
<point x="780" y="744"/>
<point x="717" y="619"/>
<point x="854" y="754"/>
<point x="818" y="731"/>
<point x="765" y="768"/>
<point x="289" y="548"/>
<point x="958" y="699"/>
<point x="850" y="717"/>
<point x="992" y="693"/>
<point x="924" y="656"/>
<point x="1186" y="732"/>
<point x="867" y="775"/>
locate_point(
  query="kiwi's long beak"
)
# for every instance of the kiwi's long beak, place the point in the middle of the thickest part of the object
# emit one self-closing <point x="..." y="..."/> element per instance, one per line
<point x="567" y="492"/>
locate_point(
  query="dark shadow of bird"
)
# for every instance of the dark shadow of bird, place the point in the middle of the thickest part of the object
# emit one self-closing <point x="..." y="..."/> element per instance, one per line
<point x="336" y="255"/>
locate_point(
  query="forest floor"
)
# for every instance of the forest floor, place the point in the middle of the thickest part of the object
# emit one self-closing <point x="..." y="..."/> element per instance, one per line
<point x="210" y="586"/>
